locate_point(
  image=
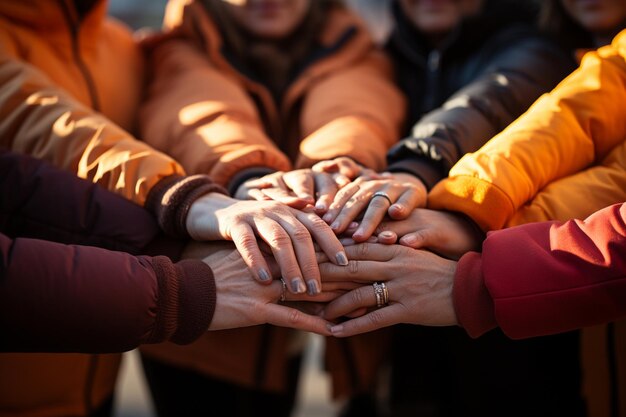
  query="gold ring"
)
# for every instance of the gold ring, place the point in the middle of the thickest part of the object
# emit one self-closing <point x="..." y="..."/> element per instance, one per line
<point x="381" y="293"/>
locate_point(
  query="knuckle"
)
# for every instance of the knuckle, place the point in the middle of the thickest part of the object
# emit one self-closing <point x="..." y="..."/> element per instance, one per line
<point x="301" y="233"/>
<point x="295" y="316"/>
<point x="353" y="267"/>
<point x="363" y="250"/>
<point x="278" y="239"/>
<point x="375" y="318"/>
<point x="357" y="297"/>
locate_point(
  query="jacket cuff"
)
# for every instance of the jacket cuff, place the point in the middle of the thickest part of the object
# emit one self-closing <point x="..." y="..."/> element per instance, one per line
<point x="428" y="171"/>
<point x="245" y="175"/>
<point x="170" y="199"/>
<point x="487" y="205"/>
<point x="472" y="302"/>
<point x="186" y="300"/>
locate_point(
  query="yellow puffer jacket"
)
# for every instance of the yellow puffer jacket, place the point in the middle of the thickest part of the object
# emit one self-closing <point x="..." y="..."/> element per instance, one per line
<point x="564" y="159"/>
<point x="566" y="131"/>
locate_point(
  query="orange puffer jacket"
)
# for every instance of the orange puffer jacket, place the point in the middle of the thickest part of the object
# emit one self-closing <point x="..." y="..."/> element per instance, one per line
<point x="66" y="84"/>
<point x="215" y="120"/>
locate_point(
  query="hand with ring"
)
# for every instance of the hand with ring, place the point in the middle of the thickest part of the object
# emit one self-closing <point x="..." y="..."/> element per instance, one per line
<point x="418" y="287"/>
<point x="395" y="195"/>
<point x="242" y="302"/>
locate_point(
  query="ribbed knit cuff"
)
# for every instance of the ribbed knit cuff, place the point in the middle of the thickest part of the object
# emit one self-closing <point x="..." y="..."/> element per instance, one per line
<point x="197" y="297"/>
<point x="170" y="199"/>
<point x="186" y="300"/>
<point x="472" y="301"/>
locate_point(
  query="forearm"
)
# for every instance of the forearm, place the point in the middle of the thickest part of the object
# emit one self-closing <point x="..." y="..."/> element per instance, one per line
<point x="86" y="299"/>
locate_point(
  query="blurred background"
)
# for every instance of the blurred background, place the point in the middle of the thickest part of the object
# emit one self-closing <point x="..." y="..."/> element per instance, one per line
<point x="132" y="397"/>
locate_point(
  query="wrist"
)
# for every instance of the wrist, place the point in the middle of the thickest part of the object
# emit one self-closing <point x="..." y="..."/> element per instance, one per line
<point x="201" y="220"/>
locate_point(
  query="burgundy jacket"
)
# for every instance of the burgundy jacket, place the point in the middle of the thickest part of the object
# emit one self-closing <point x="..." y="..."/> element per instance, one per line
<point x="543" y="278"/>
<point x="65" y="285"/>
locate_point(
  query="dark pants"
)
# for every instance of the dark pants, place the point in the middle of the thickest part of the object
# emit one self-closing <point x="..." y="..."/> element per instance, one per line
<point x="181" y="392"/>
<point x="442" y="372"/>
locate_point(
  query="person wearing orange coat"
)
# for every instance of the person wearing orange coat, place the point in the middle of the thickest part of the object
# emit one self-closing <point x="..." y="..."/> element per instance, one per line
<point x="70" y="84"/>
<point x="247" y="92"/>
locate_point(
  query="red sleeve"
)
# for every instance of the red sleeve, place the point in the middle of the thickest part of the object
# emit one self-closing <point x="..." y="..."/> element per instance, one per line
<point x="59" y="298"/>
<point x="553" y="277"/>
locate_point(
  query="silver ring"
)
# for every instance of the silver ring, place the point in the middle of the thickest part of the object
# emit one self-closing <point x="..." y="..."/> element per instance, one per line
<point x="283" y="292"/>
<point x="381" y="293"/>
<point x="383" y="195"/>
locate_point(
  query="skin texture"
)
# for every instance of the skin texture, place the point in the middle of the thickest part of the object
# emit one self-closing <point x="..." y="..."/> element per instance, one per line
<point x="287" y="232"/>
<point x="419" y="284"/>
<point x="602" y="18"/>
<point x="243" y="302"/>
<point x="269" y="19"/>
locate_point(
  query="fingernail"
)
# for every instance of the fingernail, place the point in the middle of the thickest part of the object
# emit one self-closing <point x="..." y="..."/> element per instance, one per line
<point x="334" y="226"/>
<point x="313" y="287"/>
<point x="358" y="233"/>
<point x="409" y="240"/>
<point x="346" y="241"/>
<point x="338" y="329"/>
<point x="342" y="259"/>
<point x="297" y="286"/>
<point x="320" y="206"/>
<point x="386" y="234"/>
<point x="353" y="225"/>
<point x="263" y="275"/>
<point x="327" y="217"/>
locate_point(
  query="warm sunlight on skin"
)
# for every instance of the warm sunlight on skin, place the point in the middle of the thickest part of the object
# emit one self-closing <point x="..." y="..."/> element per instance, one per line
<point x="271" y="19"/>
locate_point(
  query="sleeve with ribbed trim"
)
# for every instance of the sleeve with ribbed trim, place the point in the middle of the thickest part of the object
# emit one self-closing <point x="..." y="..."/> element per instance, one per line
<point x="171" y="198"/>
<point x="186" y="300"/>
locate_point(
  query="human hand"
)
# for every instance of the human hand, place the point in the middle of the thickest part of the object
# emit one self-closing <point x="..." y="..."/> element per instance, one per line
<point x="393" y="194"/>
<point x="288" y="233"/>
<point x="419" y="286"/>
<point x="293" y="188"/>
<point x="445" y="233"/>
<point x="242" y="302"/>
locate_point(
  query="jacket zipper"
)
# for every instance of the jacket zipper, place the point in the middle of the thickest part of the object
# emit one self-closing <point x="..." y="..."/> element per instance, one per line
<point x="74" y="27"/>
<point x="432" y="76"/>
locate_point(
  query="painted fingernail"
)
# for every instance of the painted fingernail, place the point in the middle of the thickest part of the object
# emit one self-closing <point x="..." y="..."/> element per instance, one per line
<point x="353" y="225"/>
<point x="334" y="226"/>
<point x="346" y="241"/>
<point x="320" y="206"/>
<point x="297" y="286"/>
<point x="386" y="234"/>
<point x="342" y="259"/>
<point x="313" y="287"/>
<point x="263" y="275"/>
<point x="327" y="217"/>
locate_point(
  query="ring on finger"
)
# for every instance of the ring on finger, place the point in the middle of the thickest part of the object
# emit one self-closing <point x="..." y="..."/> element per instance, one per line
<point x="383" y="195"/>
<point x="381" y="293"/>
<point x="283" y="291"/>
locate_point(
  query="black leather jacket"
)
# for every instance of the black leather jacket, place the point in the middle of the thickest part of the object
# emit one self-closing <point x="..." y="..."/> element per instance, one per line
<point x="489" y="71"/>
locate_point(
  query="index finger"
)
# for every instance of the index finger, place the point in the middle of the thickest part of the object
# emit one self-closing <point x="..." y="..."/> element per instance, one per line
<point x="324" y="237"/>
